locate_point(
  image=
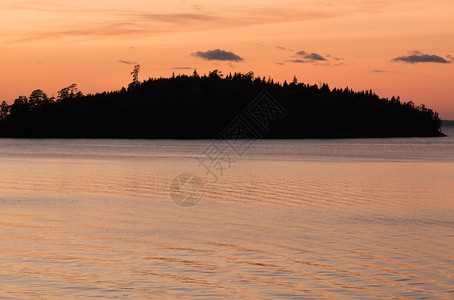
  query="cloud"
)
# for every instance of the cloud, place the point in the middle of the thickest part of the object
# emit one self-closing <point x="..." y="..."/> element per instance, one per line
<point x="218" y="54"/>
<point x="297" y="61"/>
<point x="86" y="20"/>
<point x="94" y="23"/>
<point x="182" y="68"/>
<point x="418" y="57"/>
<point x="316" y="59"/>
<point x="284" y="48"/>
<point x="280" y="64"/>
<point x="379" y="71"/>
<point x="127" y="62"/>
<point x="312" y="56"/>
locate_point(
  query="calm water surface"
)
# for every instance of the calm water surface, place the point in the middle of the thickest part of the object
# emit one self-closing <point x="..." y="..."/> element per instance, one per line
<point x="310" y="219"/>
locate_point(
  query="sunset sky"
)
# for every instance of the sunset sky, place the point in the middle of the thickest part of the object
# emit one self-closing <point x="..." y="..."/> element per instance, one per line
<point x="403" y="48"/>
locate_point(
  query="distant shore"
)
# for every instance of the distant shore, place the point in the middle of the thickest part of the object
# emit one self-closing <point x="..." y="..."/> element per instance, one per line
<point x="447" y="123"/>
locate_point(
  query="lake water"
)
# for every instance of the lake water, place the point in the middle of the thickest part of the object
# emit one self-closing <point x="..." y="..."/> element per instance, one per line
<point x="305" y="219"/>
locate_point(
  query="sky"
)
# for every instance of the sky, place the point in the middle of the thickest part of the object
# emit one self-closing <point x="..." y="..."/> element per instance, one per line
<point x="396" y="48"/>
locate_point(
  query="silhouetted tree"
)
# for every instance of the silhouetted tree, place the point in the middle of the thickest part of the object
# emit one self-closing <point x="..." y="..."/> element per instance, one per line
<point x="4" y="110"/>
<point x="20" y="106"/>
<point x="249" y="76"/>
<point x="69" y="92"/>
<point x="135" y="75"/>
<point x="21" y="100"/>
<point x="295" y="80"/>
<point x="63" y="94"/>
<point x="38" y="97"/>
<point x="215" y="74"/>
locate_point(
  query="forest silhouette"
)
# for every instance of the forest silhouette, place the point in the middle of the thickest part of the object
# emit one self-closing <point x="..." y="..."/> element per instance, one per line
<point x="201" y="107"/>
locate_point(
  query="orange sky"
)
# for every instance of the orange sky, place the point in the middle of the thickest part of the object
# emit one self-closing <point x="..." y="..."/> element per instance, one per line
<point x="51" y="44"/>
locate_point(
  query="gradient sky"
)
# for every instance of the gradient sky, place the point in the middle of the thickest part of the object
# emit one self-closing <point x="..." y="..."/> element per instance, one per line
<point x="403" y="48"/>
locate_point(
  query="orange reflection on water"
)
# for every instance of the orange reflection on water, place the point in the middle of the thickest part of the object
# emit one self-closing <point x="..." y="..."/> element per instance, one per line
<point x="270" y="228"/>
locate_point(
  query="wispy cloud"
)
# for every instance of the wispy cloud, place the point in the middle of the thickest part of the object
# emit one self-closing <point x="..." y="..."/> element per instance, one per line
<point x="380" y="71"/>
<point x="418" y="57"/>
<point x="182" y="68"/>
<point x="284" y="48"/>
<point x="91" y="22"/>
<point x="296" y="61"/>
<point x="218" y="54"/>
<point x="127" y="62"/>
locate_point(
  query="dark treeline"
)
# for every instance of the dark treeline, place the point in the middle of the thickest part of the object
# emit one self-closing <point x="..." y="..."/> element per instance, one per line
<point x="199" y="107"/>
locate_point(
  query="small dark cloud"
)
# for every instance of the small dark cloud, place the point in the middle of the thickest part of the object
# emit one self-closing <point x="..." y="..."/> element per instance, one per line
<point x="311" y="57"/>
<point x="280" y="64"/>
<point x="378" y="71"/>
<point x="296" y="61"/>
<point x="132" y="47"/>
<point x="127" y="62"/>
<point x="218" y="54"/>
<point x="418" y="57"/>
<point x="315" y="57"/>
<point x="450" y="57"/>
<point x="182" y="68"/>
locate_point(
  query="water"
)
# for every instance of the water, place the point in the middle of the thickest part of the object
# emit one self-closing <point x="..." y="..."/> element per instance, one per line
<point x="312" y="219"/>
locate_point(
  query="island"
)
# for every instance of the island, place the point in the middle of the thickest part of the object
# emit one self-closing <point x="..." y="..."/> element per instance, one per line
<point x="216" y="106"/>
